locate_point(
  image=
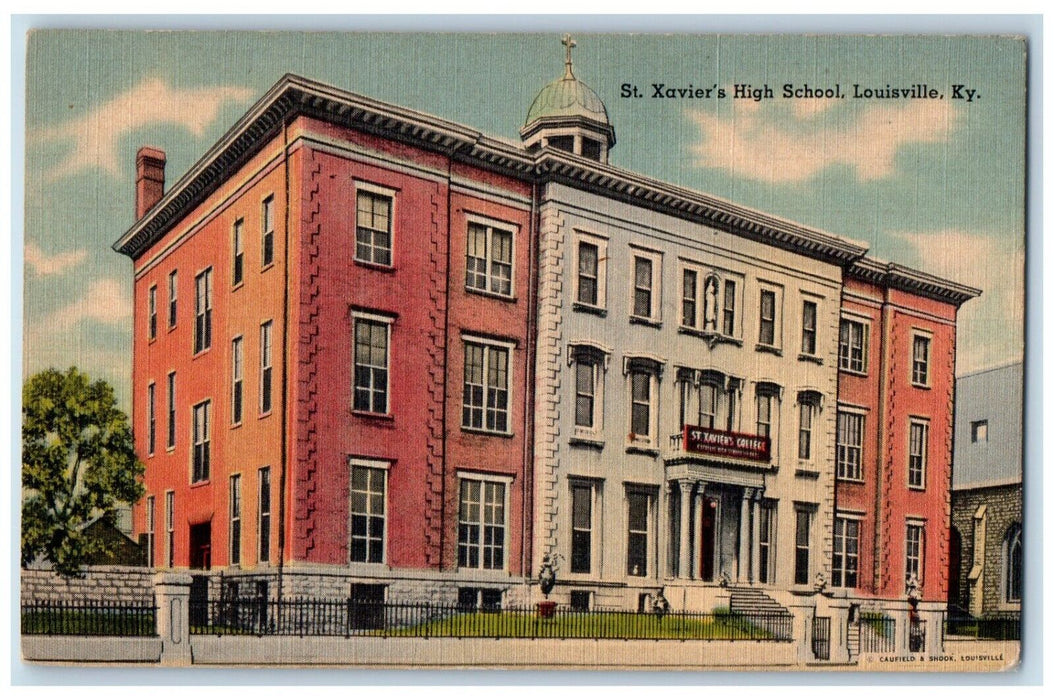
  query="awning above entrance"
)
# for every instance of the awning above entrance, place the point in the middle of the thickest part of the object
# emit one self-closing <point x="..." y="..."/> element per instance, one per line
<point x="711" y="471"/>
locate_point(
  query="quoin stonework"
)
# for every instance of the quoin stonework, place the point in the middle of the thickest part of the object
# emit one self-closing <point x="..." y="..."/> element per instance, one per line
<point x="380" y="354"/>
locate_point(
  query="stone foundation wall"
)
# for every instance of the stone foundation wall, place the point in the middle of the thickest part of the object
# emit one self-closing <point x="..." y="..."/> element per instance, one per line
<point x="99" y="583"/>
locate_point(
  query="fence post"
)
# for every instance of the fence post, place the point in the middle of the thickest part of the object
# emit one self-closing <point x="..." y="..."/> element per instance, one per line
<point x="172" y="596"/>
<point x="803" y="613"/>
<point x="838" y="610"/>
<point x="899" y="611"/>
<point x="934" y="618"/>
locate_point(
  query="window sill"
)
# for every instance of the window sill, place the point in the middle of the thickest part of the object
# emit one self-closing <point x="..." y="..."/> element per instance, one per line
<point x="846" y="480"/>
<point x="927" y="387"/>
<point x="854" y="372"/>
<point x="917" y="489"/>
<point x="236" y="425"/>
<point x="803" y="357"/>
<point x="644" y="321"/>
<point x="589" y="309"/>
<point x="199" y="484"/>
<point x="267" y="267"/>
<point x="713" y="337"/>
<point x="236" y="287"/>
<point x="379" y="267"/>
<point x="492" y="295"/>
<point x="265" y="414"/>
<point x="484" y="431"/>
<point x="642" y="450"/>
<point x="807" y="473"/>
<point x="771" y="349"/>
<point x="151" y="341"/>
<point x="199" y="353"/>
<point x="374" y="417"/>
<point x="583" y="441"/>
<point x="172" y="328"/>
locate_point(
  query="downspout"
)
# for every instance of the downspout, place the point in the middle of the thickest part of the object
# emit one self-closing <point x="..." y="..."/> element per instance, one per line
<point x="285" y="367"/>
<point x="446" y="364"/>
<point x="527" y="514"/>
<point x="880" y="452"/>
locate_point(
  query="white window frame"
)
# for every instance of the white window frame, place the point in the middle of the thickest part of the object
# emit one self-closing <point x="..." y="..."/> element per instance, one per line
<point x="777" y="315"/>
<point x="655" y="258"/>
<point x="489" y="344"/>
<point x="845" y="361"/>
<point x="234" y="522"/>
<point x="723" y="279"/>
<point x="920" y="557"/>
<point x="485" y="478"/>
<point x="815" y="330"/>
<point x="173" y="293"/>
<point x="927" y="363"/>
<point x="595" y="510"/>
<point x="263" y="527"/>
<point x="237" y="380"/>
<point x="810" y="511"/>
<point x="588" y="353"/>
<point x="384" y="467"/>
<point x="357" y="317"/>
<point x="238" y="253"/>
<point x="150" y="516"/>
<point x="601" y="244"/>
<point x="151" y="418"/>
<point x="151" y="312"/>
<point x="651" y="553"/>
<point x="203" y="310"/>
<point x="377" y="191"/>
<point x="170" y="528"/>
<point x="267" y="212"/>
<point x="490" y="226"/>
<point x="634" y="439"/>
<point x="170" y="443"/>
<point x="266" y="386"/>
<point x="812" y="400"/>
<point x="205" y="441"/>
<point x="923" y="458"/>
<point x="839" y="575"/>
<point x="844" y="450"/>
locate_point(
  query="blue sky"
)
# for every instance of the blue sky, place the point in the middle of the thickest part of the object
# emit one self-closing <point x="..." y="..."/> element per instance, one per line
<point x="935" y="184"/>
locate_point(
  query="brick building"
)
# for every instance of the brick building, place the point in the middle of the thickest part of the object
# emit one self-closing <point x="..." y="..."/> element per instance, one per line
<point x="374" y="346"/>
<point x="985" y="578"/>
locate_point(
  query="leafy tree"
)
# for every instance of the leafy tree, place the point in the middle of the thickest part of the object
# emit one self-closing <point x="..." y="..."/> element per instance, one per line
<point x="78" y="464"/>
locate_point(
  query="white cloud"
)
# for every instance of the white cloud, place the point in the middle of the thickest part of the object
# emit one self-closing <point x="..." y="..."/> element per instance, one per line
<point x="991" y="327"/>
<point x="94" y="136"/>
<point x="43" y="264"/>
<point x="104" y="302"/>
<point x="773" y="144"/>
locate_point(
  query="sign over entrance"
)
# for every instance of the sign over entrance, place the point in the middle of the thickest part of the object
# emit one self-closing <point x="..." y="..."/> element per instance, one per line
<point x="726" y="443"/>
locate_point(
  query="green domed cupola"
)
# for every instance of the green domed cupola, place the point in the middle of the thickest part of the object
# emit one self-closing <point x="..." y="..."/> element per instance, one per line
<point x="569" y="116"/>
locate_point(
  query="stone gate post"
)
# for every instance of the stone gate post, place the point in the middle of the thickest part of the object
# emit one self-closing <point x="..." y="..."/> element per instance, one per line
<point x="172" y="597"/>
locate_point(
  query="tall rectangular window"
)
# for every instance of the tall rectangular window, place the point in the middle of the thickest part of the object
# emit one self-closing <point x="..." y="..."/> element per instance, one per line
<point x="152" y="311"/>
<point x="849" y="446"/>
<point x="728" y="314"/>
<point x="708" y="394"/>
<point x="373" y="228"/>
<point x="173" y="291"/>
<point x="914" y="552"/>
<point x="846" y="552"/>
<point x="641" y="406"/>
<point x="171" y="409"/>
<point x="764" y="424"/>
<point x="264" y="515"/>
<point x="367" y="513"/>
<point x="170" y="529"/>
<point x="237" y="380"/>
<point x="585" y="394"/>
<point x="852" y="345"/>
<point x="689" y="303"/>
<point x="371" y="365"/>
<point x="486" y="389"/>
<point x="203" y="311"/>
<point x="767" y="320"/>
<point x="642" y="287"/>
<point x="489" y="259"/>
<point x="803" y="525"/>
<point x="235" y="529"/>
<point x="481" y="525"/>
<point x="637" y="532"/>
<point x="767" y="542"/>
<point x="201" y="441"/>
<point x="805" y="414"/>
<point x="918" y="448"/>
<point x="581" y="528"/>
<point x="151" y="417"/>
<point x="267" y="233"/>
<point x="150" y="524"/>
<point x="920" y="360"/>
<point x="588" y="274"/>
<point x="266" y="369"/>
<point x="808" y="328"/>
<point x="238" y="254"/>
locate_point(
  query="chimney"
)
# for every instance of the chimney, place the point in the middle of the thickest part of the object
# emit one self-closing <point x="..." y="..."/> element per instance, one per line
<point x="149" y="179"/>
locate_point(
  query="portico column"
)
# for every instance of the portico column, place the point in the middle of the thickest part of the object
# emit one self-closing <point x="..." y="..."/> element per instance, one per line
<point x="697" y="545"/>
<point x="686" y="494"/>
<point x="744" y="535"/>
<point x="755" y="541"/>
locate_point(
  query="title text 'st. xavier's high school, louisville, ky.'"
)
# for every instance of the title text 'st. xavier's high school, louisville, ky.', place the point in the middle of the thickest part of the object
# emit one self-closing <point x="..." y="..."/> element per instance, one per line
<point x="382" y="354"/>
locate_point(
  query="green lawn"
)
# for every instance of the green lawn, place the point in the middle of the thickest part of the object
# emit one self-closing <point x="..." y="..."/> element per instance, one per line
<point x="88" y="623"/>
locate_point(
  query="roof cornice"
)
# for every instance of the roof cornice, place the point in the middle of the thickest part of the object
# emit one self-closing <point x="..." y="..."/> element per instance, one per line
<point x="294" y="95"/>
<point x="907" y="279"/>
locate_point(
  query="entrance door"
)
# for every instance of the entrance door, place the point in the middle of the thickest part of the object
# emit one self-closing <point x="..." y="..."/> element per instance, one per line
<point x="708" y="533"/>
<point x="201" y="546"/>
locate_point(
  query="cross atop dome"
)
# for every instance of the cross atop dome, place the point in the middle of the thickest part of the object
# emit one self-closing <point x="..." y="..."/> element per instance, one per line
<point x="569" y="43"/>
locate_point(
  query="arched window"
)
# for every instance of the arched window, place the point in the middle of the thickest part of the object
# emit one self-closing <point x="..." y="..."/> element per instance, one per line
<point x="1012" y="564"/>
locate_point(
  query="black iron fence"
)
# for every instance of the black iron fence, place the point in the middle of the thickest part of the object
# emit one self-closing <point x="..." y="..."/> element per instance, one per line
<point x="1001" y="627"/>
<point x="916" y="635"/>
<point x="877" y="633"/>
<point x="90" y="618"/>
<point x="821" y="638"/>
<point x="352" y="618"/>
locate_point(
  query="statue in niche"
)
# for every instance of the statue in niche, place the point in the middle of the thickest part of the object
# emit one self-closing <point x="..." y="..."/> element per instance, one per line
<point x="710" y="305"/>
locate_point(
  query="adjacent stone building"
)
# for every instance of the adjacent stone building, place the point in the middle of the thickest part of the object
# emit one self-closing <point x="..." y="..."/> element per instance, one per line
<point x="985" y="578"/>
